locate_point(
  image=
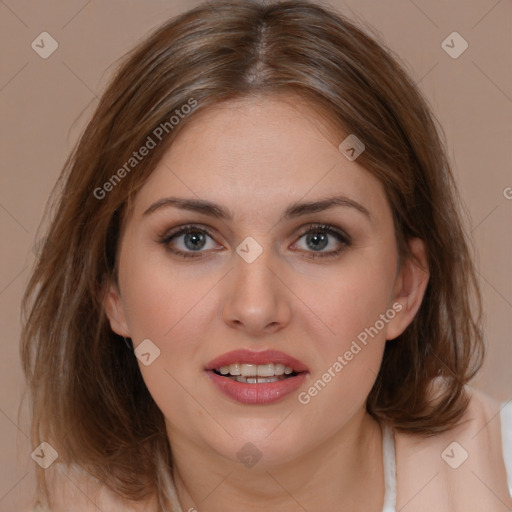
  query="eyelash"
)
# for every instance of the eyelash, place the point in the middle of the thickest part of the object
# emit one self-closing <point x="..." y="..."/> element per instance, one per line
<point x="325" y="228"/>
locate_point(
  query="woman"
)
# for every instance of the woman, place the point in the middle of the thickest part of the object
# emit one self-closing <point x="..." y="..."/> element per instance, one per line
<point x="256" y="291"/>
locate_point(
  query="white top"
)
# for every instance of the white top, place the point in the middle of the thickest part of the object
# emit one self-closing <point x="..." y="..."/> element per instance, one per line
<point x="389" y="461"/>
<point x="506" y="438"/>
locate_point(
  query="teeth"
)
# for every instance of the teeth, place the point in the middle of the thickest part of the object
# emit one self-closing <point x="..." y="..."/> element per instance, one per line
<point x="249" y="370"/>
<point x="279" y="369"/>
<point x="266" y="370"/>
<point x="255" y="370"/>
<point x="234" y="369"/>
<point x="258" y="380"/>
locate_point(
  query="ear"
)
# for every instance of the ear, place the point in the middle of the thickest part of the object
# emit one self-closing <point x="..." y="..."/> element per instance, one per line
<point x="409" y="289"/>
<point x="115" y="310"/>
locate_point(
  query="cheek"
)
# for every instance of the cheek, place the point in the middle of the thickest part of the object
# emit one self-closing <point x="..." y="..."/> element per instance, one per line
<point x="356" y="307"/>
<point x="161" y="298"/>
<point x="349" y="354"/>
<point x="350" y="300"/>
<point x="168" y="308"/>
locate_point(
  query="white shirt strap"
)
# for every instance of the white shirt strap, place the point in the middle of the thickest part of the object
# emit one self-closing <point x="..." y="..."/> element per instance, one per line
<point x="506" y="438"/>
<point x="389" y="460"/>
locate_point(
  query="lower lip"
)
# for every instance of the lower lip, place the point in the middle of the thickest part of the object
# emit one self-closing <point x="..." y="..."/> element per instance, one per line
<point x="264" y="393"/>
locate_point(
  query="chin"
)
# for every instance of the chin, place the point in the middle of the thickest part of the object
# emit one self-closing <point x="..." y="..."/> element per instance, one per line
<point x="261" y="444"/>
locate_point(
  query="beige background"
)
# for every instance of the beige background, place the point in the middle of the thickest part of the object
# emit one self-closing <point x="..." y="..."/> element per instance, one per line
<point x="45" y="104"/>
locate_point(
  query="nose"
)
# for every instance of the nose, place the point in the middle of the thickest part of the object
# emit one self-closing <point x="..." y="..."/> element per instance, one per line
<point x="257" y="300"/>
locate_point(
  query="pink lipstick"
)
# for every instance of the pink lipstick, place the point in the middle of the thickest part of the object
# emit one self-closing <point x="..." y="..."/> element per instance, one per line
<point x="251" y="377"/>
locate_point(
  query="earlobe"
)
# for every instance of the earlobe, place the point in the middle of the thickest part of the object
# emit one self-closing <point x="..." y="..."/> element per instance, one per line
<point x="114" y="310"/>
<point x="410" y="287"/>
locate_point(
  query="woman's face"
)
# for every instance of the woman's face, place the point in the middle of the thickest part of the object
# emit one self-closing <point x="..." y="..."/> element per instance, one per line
<point x="258" y="281"/>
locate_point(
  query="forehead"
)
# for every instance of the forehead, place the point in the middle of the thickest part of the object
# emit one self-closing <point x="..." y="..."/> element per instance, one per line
<point x="259" y="153"/>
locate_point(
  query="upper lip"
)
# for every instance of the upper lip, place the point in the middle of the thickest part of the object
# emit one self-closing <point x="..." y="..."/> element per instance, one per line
<point x="244" y="356"/>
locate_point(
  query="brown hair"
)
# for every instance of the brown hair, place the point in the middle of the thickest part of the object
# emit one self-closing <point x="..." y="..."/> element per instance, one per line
<point x="87" y="392"/>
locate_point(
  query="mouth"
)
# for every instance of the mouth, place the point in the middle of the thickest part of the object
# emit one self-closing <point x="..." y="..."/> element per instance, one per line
<point x="252" y="377"/>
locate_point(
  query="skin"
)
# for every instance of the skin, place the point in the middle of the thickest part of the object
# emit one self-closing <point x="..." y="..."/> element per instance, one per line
<point x="256" y="157"/>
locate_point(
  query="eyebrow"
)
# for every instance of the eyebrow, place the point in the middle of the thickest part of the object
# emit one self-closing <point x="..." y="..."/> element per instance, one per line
<point x="296" y="209"/>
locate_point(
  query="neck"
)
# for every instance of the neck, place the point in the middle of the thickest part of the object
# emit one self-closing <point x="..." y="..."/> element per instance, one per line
<point x="351" y="459"/>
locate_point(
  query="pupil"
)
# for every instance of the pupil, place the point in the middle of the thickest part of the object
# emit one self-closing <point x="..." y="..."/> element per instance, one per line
<point x="315" y="237"/>
<point x="195" y="236"/>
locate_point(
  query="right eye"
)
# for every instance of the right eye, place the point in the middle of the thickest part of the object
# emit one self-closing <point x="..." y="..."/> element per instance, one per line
<point x="193" y="240"/>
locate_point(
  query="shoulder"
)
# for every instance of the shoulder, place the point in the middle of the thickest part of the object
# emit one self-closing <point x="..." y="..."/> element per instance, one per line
<point x="461" y="467"/>
<point x="70" y="485"/>
<point x="478" y="429"/>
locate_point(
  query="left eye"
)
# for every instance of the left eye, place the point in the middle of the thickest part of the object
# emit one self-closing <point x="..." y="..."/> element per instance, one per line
<point x="316" y="237"/>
